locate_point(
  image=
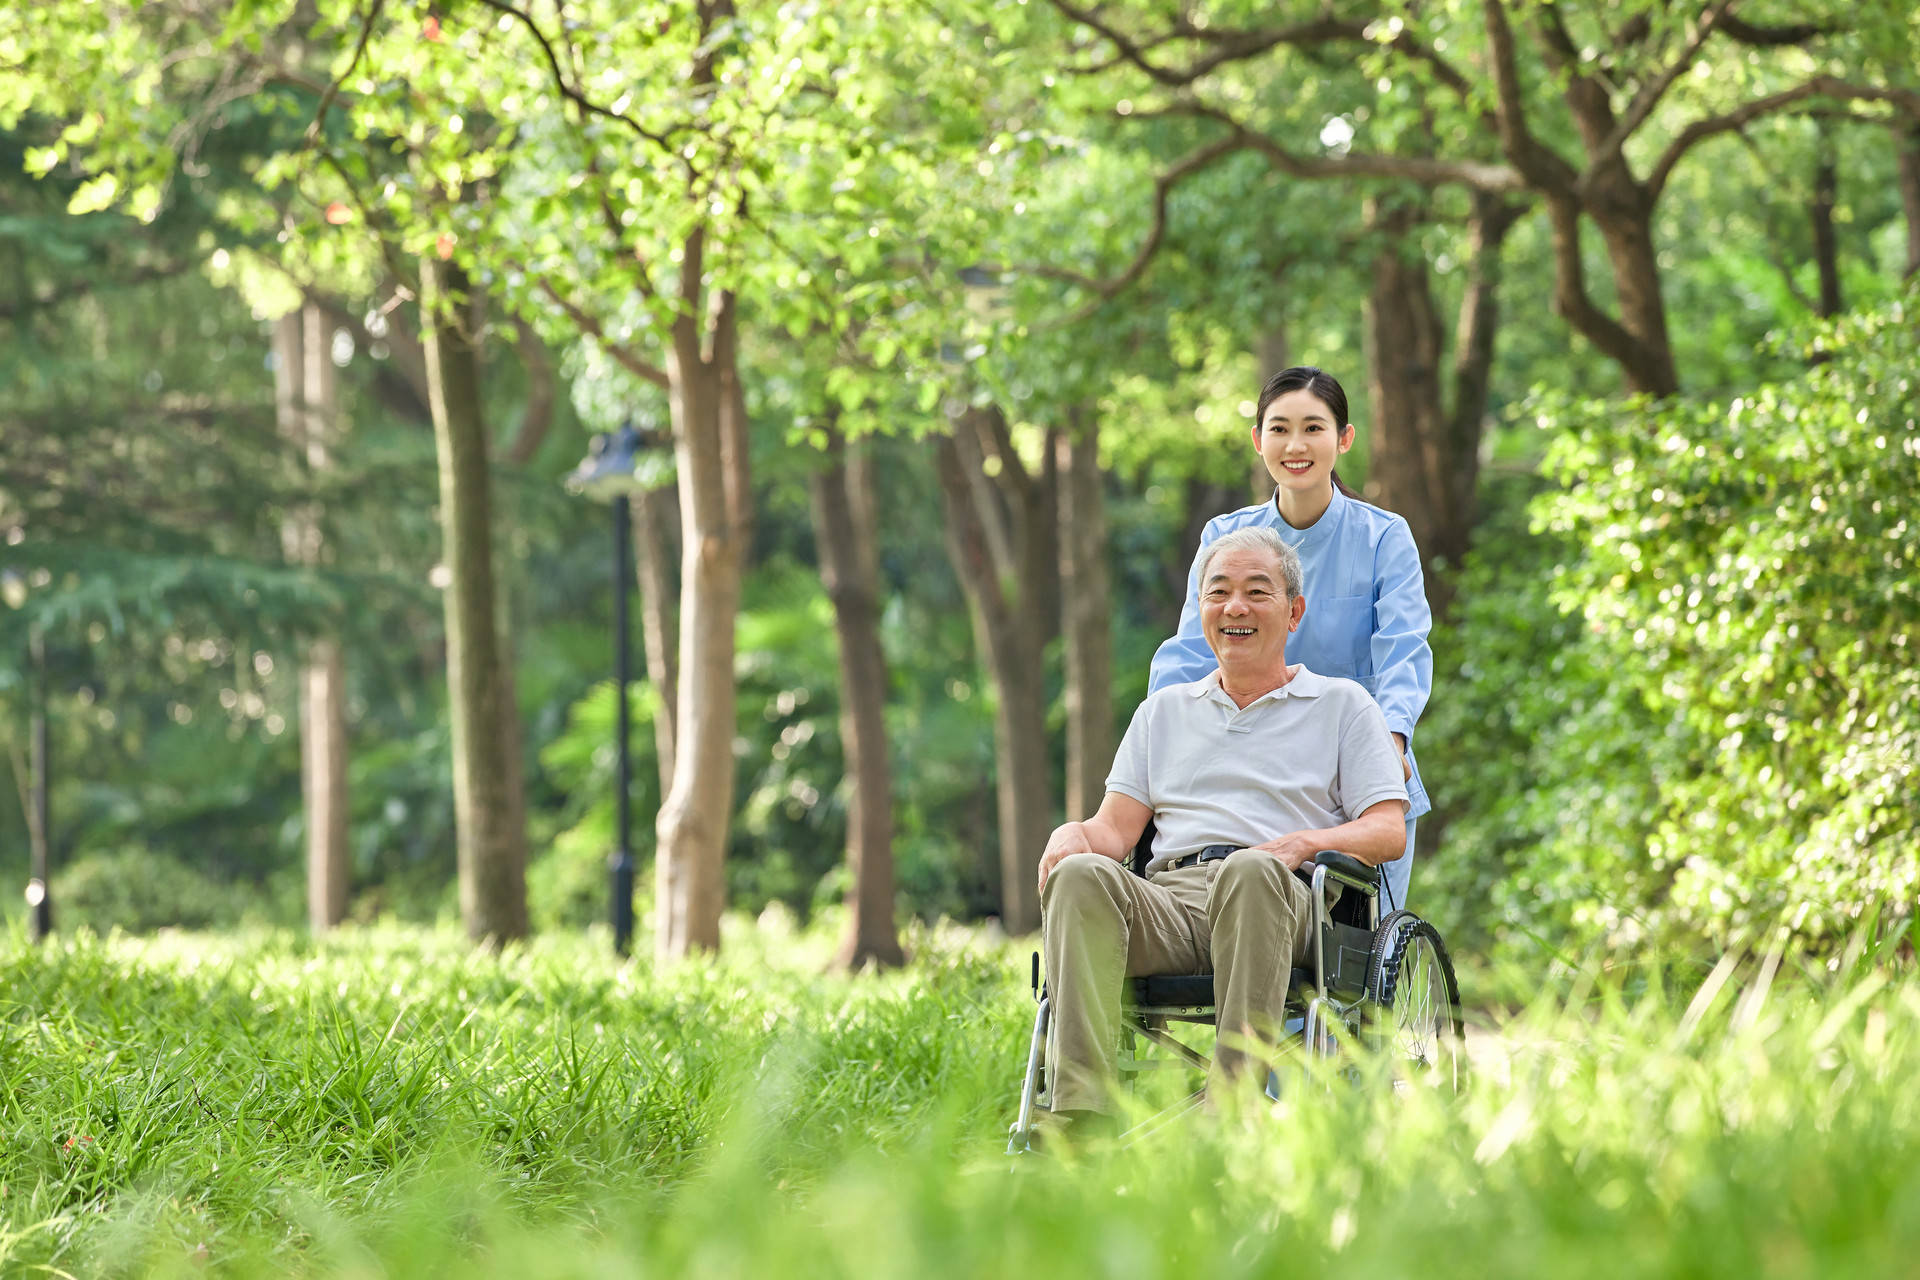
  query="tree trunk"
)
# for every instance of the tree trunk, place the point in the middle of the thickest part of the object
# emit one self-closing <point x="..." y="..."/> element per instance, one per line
<point x="652" y="558"/>
<point x="1273" y="353"/>
<point x="1000" y="527"/>
<point x="1204" y="501"/>
<point x="1403" y="375"/>
<point x="306" y="403"/>
<point x="1426" y="459"/>
<point x="735" y="445"/>
<point x="1826" y="245"/>
<point x="1908" y="142"/>
<point x="487" y="787"/>
<point x="1086" y="615"/>
<point x="690" y="867"/>
<point x="846" y="528"/>
<point x="1628" y="237"/>
<point x="1475" y="335"/>
<point x="537" y="417"/>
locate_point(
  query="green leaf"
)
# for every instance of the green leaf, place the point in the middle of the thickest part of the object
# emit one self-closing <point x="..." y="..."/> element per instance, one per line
<point x="94" y="194"/>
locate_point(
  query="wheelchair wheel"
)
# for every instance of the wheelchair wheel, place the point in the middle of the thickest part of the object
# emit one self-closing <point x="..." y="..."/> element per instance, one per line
<point x="1416" y="1015"/>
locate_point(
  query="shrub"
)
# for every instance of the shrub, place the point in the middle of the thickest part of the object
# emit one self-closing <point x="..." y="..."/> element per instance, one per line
<point x="1720" y="744"/>
<point x="140" y="891"/>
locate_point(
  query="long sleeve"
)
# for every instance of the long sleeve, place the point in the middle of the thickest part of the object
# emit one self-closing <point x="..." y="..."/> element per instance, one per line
<point x="1402" y="660"/>
<point x="1185" y="656"/>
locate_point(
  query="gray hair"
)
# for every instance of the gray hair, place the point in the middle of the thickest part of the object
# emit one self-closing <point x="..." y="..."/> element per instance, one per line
<point x="1258" y="537"/>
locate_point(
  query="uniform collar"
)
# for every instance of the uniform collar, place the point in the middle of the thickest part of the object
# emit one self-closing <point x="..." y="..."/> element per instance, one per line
<point x="1304" y="684"/>
<point x="1321" y="530"/>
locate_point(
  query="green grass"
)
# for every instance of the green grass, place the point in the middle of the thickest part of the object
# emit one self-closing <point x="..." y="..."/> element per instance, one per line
<point x="388" y="1103"/>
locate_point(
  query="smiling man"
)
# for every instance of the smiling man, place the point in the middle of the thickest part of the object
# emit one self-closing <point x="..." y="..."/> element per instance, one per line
<point x="1246" y="774"/>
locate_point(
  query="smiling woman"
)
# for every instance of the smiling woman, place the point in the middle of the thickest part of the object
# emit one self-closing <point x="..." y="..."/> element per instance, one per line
<point x="1366" y="615"/>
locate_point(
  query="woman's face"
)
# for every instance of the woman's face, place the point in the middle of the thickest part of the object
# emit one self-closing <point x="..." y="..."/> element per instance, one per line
<point x="1299" y="441"/>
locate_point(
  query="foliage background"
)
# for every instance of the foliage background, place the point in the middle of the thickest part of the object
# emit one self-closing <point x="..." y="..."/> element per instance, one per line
<point x="1673" y="696"/>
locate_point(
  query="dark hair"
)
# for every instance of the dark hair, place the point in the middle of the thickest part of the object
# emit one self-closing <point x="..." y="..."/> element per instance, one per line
<point x="1323" y="386"/>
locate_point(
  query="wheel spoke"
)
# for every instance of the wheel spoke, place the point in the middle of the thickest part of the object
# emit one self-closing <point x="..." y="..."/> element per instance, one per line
<point x="1419" y="1023"/>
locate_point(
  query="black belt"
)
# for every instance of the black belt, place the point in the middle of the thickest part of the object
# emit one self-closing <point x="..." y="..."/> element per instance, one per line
<point x="1212" y="853"/>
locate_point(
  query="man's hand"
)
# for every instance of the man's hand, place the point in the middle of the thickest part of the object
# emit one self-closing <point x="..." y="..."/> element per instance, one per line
<point x="1296" y="849"/>
<point x="1068" y="839"/>
<point x="1111" y="833"/>
<point x="1376" y="837"/>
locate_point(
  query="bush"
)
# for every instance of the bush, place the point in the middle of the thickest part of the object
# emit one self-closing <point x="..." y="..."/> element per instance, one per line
<point x="140" y="891"/>
<point x="1711" y="733"/>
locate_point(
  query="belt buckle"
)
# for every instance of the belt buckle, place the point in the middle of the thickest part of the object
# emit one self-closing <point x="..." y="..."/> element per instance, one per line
<point x="1212" y="853"/>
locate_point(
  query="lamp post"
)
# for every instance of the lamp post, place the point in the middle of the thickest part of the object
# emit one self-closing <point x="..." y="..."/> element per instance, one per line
<point x="39" y="892"/>
<point x="606" y="474"/>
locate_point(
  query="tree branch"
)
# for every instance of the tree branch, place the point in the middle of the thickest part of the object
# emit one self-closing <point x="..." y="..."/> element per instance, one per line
<point x="1907" y="101"/>
<point x="1586" y="97"/>
<point x="1163" y="185"/>
<point x="1478" y="322"/>
<point x="409" y="357"/>
<point x="333" y="86"/>
<point x="626" y="357"/>
<point x="1752" y="33"/>
<point x="981" y="501"/>
<point x="1230" y="46"/>
<point x="1655" y="89"/>
<point x="1426" y="170"/>
<point x="1239" y="44"/>
<point x="537" y="416"/>
<point x="1542" y="168"/>
<point x="580" y="101"/>
<point x="1570" y="298"/>
<point x="996" y="441"/>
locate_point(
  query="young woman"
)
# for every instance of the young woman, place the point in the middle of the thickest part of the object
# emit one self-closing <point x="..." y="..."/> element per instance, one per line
<point x="1367" y="616"/>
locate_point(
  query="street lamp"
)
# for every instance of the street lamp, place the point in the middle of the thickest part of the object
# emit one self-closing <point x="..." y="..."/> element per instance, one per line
<point x="606" y="474"/>
<point x="39" y="893"/>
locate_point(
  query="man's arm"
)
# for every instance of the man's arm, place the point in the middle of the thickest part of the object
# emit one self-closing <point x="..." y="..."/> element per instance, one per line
<point x="1111" y="833"/>
<point x="1377" y="836"/>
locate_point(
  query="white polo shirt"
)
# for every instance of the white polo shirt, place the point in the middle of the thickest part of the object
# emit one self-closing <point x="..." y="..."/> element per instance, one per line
<point x="1313" y="753"/>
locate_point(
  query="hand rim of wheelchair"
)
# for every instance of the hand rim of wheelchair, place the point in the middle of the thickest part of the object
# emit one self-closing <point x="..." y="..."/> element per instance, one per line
<point x="1393" y="1010"/>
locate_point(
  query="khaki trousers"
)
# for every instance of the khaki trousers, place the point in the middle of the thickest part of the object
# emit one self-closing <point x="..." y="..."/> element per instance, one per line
<point x="1245" y="917"/>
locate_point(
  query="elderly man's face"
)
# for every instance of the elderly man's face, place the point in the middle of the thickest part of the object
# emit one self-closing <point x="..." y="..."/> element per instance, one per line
<point x="1245" y="610"/>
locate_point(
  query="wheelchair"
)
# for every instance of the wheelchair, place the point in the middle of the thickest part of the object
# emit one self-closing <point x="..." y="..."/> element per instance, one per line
<point x="1383" y="984"/>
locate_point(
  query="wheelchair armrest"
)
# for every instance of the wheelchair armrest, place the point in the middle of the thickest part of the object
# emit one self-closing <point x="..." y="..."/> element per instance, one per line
<point x="1345" y="869"/>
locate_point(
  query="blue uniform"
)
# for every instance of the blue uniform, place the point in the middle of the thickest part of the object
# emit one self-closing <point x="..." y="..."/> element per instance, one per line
<point x="1367" y="619"/>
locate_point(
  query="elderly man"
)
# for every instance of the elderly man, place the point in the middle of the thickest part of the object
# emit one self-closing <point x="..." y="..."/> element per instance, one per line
<point x="1246" y="774"/>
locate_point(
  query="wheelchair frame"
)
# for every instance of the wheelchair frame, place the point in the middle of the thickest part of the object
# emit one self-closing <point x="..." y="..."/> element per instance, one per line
<point x="1358" y="967"/>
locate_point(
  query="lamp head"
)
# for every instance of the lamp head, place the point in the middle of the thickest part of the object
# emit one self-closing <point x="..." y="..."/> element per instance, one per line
<point x="607" y="472"/>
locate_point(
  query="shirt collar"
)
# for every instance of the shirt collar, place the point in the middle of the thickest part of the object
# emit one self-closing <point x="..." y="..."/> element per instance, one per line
<point x="1321" y="530"/>
<point x="1304" y="684"/>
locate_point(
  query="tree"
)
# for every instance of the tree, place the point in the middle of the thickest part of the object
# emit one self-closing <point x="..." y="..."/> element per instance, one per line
<point x="1001" y="527"/>
<point x="714" y="152"/>
<point x="847" y="529"/>
<point x="487" y="783"/>
<point x="307" y="406"/>
<point x="1425" y="459"/>
<point x="1086" y="608"/>
<point x="1618" y="80"/>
